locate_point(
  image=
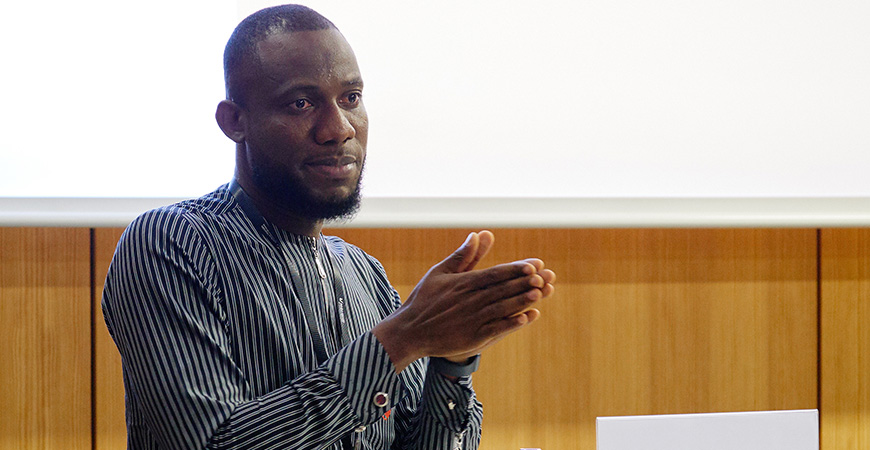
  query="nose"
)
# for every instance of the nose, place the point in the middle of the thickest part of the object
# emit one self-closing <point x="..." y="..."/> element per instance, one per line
<point x="333" y="126"/>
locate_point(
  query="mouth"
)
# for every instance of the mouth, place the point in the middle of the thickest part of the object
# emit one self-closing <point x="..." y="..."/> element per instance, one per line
<point x="337" y="167"/>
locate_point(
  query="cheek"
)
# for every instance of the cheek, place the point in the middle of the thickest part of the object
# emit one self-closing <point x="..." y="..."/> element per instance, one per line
<point x="361" y="127"/>
<point x="284" y="133"/>
<point x="280" y="141"/>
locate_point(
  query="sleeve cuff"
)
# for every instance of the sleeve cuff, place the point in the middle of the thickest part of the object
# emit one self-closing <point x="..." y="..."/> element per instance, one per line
<point x="450" y="403"/>
<point x="364" y="370"/>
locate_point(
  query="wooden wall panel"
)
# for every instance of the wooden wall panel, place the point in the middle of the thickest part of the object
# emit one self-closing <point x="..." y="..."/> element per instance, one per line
<point x="109" y="426"/>
<point x="45" y="339"/>
<point x="643" y="322"/>
<point x="845" y="332"/>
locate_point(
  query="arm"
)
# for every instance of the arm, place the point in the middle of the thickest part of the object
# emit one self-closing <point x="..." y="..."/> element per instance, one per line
<point x="164" y="308"/>
<point x="448" y="414"/>
<point x="438" y="412"/>
<point x="165" y="311"/>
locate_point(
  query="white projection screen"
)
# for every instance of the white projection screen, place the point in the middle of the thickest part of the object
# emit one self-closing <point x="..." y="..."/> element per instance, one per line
<point x="546" y="113"/>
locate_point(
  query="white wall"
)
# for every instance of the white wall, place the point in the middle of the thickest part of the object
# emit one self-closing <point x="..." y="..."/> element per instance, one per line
<point x="477" y="99"/>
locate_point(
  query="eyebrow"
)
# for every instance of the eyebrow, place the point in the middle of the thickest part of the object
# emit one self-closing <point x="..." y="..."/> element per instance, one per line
<point x="306" y="87"/>
<point x="353" y="82"/>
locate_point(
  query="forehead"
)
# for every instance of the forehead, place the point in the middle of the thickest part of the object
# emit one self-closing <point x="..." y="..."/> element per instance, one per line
<point x="318" y="57"/>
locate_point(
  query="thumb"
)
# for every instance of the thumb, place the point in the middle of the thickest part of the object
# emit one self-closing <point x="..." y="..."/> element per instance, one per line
<point x="460" y="259"/>
<point x="485" y="240"/>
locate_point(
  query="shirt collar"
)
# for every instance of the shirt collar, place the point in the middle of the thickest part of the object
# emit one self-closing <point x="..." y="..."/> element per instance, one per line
<point x="250" y="210"/>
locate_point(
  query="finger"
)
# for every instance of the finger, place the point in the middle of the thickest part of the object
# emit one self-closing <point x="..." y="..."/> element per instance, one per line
<point x="512" y="287"/>
<point x="489" y="342"/>
<point x="510" y="306"/>
<point x="459" y="259"/>
<point x="539" y="265"/>
<point x="508" y="289"/>
<point x="532" y="314"/>
<point x="548" y="275"/>
<point x="496" y="330"/>
<point x="483" y="278"/>
<point x="486" y="239"/>
<point x="537" y="281"/>
<point x="500" y="328"/>
<point x="548" y="290"/>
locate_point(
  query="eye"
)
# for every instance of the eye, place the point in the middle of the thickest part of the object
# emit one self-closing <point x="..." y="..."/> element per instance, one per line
<point x="353" y="98"/>
<point x="300" y="104"/>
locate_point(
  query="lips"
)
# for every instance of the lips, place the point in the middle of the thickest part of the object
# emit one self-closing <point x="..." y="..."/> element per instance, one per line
<point x="341" y="166"/>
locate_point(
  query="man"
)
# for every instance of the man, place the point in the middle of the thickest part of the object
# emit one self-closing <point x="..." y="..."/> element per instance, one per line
<point x="241" y="326"/>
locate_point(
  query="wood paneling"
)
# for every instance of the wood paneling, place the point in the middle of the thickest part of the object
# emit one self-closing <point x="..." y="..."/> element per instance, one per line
<point x="845" y="332"/>
<point x="643" y="322"/>
<point x="45" y="339"/>
<point x="109" y="426"/>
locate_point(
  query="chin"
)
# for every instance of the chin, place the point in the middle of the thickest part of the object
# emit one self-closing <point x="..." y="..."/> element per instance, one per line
<point x="335" y="202"/>
<point x="337" y="205"/>
<point x="343" y="208"/>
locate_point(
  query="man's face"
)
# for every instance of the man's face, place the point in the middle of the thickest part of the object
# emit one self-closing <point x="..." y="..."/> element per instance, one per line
<point x="305" y="142"/>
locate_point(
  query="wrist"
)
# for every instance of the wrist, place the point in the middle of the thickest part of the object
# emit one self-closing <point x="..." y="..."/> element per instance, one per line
<point x="450" y="368"/>
<point x="398" y="349"/>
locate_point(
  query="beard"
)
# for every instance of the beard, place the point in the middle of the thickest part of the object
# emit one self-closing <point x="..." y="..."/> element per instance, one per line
<point x="296" y="196"/>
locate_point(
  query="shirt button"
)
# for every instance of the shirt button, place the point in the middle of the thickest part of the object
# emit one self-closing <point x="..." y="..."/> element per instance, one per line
<point x="457" y="441"/>
<point x="381" y="399"/>
<point x="450" y="404"/>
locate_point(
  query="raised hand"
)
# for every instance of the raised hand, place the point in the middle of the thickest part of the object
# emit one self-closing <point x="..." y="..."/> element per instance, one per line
<point x="531" y="313"/>
<point x="455" y="311"/>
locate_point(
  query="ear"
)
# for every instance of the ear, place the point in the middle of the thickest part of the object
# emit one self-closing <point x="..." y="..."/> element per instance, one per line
<point x="232" y="120"/>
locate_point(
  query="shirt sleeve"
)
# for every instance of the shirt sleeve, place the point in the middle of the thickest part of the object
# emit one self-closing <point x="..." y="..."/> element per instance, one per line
<point x="448" y="416"/>
<point x="164" y="310"/>
<point x="445" y="414"/>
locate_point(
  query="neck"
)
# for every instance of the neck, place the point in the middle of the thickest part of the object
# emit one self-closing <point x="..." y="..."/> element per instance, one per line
<point x="292" y="223"/>
<point x="280" y="215"/>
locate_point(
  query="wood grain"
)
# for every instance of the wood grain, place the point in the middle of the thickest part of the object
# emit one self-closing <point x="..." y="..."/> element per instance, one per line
<point x="845" y="331"/>
<point x="45" y="339"/>
<point x="109" y="425"/>
<point x="643" y="322"/>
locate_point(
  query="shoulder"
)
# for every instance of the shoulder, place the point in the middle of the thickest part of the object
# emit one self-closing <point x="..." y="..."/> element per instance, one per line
<point x="178" y="221"/>
<point x="179" y="235"/>
<point x="168" y="244"/>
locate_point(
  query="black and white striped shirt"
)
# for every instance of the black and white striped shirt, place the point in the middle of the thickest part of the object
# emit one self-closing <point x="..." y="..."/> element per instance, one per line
<point x="218" y="353"/>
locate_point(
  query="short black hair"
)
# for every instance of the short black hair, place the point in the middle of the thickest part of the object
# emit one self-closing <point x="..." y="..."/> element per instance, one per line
<point x="242" y="45"/>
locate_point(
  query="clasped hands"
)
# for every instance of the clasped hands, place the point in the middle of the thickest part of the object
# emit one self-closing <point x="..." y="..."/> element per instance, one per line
<point x="455" y="311"/>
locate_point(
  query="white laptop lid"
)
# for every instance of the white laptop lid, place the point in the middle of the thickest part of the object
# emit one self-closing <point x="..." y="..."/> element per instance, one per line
<point x="757" y="430"/>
